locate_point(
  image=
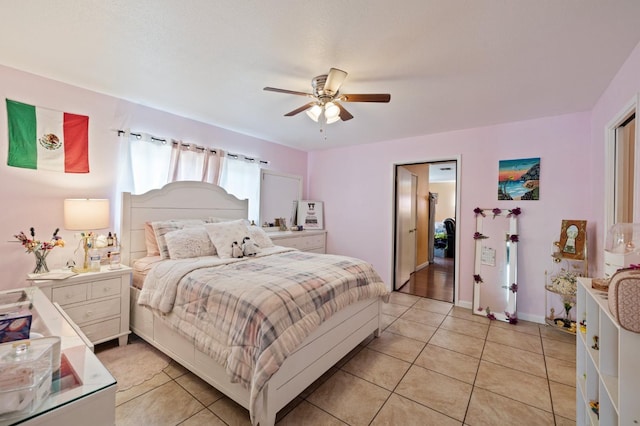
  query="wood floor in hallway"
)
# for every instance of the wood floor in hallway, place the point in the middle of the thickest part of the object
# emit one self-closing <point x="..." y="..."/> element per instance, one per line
<point x="434" y="281"/>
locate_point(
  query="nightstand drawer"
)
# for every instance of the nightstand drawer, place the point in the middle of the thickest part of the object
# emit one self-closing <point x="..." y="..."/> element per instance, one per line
<point x="102" y="330"/>
<point x="69" y="294"/>
<point x="302" y="243"/>
<point x="94" y="311"/>
<point x="104" y="288"/>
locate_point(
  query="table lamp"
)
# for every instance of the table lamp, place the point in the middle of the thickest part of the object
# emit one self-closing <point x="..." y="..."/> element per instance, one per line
<point x="86" y="214"/>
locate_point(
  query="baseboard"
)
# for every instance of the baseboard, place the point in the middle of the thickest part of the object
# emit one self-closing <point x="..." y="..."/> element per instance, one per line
<point x="422" y="265"/>
<point x="465" y="304"/>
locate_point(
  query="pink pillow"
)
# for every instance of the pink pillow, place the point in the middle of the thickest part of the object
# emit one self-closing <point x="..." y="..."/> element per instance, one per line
<point x="150" y="240"/>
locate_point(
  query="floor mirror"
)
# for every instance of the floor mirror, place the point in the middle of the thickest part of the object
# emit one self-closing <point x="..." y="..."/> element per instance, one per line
<point x="496" y="263"/>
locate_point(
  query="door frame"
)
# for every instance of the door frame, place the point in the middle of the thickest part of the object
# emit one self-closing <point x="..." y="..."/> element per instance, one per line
<point x="458" y="160"/>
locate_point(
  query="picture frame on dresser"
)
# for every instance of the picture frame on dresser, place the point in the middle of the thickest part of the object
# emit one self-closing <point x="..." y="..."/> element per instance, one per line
<point x="573" y="237"/>
<point x="310" y="214"/>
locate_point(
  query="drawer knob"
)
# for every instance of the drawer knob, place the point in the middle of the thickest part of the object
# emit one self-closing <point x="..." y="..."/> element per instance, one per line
<point x="88" y="314"/>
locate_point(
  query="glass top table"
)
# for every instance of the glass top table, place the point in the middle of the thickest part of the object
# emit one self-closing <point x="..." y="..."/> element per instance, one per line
<point x="81" y="374"/>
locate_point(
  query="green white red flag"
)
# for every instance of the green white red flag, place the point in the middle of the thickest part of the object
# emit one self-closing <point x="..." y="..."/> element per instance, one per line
<point x="44" y="139"/>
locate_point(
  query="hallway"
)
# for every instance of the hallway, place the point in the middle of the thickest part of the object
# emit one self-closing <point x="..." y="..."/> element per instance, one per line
<point x="434" y="281"/>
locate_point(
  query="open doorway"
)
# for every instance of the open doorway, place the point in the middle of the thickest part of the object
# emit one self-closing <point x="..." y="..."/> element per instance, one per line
<point x="432" y="234"/>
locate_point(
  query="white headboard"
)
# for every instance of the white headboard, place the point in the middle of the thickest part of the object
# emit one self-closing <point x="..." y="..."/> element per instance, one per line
<point x="177" y="200"/>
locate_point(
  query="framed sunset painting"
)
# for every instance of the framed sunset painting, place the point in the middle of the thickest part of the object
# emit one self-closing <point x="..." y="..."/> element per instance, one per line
<point x="519" y="179"/>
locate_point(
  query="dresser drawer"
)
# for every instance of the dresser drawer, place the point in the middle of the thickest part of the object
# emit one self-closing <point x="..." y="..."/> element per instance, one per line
<point x="102" y="330"/>
<point x="104" y="288"/>
<point x="69" y="294"/>
<point x="94" y="311"/>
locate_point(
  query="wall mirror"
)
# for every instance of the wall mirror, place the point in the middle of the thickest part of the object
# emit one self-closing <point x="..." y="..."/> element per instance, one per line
<point x="496" y="263"/>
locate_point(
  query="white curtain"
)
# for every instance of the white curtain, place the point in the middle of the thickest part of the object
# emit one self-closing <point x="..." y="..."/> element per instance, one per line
<point x="150" y="162"/>
<point x="241" y="177"/>
<point x="192" y="162"/>
<point x="147" y="162"/>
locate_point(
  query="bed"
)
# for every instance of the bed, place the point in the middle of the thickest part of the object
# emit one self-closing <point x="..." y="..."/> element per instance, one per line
<point x="335" y="336"/>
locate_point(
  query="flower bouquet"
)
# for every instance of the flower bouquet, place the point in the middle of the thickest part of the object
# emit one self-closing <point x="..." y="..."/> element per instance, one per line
<point x="564" y="282"/>
<point x="40" y="249"/>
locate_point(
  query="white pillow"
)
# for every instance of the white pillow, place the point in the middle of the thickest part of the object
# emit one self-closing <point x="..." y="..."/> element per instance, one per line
<point x="160" y="228"/>
<point x="189" y="242"/>
<point x="223" y="234"/>
<point x="260" y="237"/>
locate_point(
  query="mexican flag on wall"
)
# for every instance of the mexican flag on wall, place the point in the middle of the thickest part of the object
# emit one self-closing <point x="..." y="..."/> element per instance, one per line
<point x="44" y="139"/>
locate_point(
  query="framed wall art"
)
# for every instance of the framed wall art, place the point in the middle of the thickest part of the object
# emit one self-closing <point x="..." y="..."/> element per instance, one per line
<point x="519" y="179"/>
<point x="310" y="214"/>
<point x="573" y="238"/>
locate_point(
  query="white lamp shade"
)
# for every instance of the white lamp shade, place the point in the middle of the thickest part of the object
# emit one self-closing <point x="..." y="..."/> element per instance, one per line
<point x="84" y="214"/>
<point x="314" y="112"/>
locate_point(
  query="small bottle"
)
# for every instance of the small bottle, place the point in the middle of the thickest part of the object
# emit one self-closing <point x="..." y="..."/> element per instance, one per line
<point x="115" y="239"/>
<point x="114" y="260"/>
<point x="94" y="258"/>
<point x="109" y="240"/>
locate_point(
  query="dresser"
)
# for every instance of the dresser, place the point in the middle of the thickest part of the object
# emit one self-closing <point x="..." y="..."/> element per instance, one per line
<point x="98" y="302"/>
<point x="310" y="240"/>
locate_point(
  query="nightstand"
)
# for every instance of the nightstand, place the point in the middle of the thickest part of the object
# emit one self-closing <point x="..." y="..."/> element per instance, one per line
<point x="98" y="302"/>
<point x="309" y="240"/>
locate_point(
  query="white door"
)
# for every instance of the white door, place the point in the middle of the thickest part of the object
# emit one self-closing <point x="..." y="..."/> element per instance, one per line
<point x="406" y="191"/>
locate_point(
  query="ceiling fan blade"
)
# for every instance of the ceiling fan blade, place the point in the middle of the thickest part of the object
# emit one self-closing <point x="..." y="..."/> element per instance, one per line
<point x="291" y="92"/>
<point x="334" y="81"/>
<point x="373" y="97"/>
<point x="299" y="110"/>
<point x="344" y="114"/>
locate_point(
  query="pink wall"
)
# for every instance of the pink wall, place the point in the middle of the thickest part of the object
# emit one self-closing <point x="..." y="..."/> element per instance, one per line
<point x="34" y="198"/>
<point x="356" y="184"/>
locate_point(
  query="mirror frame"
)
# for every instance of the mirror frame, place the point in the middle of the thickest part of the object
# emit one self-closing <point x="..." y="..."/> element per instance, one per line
<point x="509" y="313"/>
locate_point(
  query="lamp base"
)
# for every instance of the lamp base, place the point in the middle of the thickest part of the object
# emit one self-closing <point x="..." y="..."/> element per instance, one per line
<point x="79" y="270"/>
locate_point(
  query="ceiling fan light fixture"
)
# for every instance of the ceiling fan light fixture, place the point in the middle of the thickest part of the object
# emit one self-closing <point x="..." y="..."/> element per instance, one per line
<point x="314" y="112"/>
<point x="331" y="112"/>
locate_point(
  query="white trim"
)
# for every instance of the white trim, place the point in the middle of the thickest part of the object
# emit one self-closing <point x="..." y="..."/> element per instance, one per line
<point x="609" y="159"/>
<point x="458" y="159"/>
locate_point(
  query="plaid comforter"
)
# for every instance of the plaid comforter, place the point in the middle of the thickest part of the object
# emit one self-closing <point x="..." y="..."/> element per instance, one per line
<point x="249" y="314"/>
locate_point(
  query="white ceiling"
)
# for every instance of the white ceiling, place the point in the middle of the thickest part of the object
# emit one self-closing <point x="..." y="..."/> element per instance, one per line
<point x="448" y="64"/>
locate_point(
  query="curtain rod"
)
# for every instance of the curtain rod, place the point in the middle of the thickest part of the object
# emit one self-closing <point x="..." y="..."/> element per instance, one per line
<point x="164" y="141"/>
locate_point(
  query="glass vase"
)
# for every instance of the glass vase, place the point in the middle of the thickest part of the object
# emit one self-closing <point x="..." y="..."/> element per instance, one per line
<point x="41" y="262"/>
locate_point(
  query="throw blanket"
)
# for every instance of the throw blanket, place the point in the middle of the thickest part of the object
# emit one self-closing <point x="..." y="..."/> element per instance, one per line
<point x="249" y="314"/>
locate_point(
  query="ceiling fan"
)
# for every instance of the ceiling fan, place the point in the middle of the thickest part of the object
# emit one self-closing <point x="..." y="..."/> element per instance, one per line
<point x="326" y="98"/>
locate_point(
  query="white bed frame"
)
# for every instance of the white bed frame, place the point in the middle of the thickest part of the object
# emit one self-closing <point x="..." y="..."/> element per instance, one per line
<point x="318" y="353"/>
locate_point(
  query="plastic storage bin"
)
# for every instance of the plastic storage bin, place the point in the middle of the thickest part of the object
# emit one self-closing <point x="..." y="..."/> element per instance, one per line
<point x="25" y="376"/>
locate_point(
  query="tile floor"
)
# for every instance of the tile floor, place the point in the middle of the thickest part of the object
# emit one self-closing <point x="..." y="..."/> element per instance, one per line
<point x="434" y="364"/>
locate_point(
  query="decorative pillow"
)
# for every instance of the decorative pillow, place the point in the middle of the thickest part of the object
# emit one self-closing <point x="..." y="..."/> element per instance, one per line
<point x="150" y="240"/>
<point x="223" y="234"/>
<point x="260" y="237"/>
<point x="189" y="242"/>
<point x="160" y="228"/>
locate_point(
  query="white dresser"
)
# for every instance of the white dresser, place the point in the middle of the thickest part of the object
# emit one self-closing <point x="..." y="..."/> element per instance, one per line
<point x="98" y="302"/>
<point x="310" y="240"/>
